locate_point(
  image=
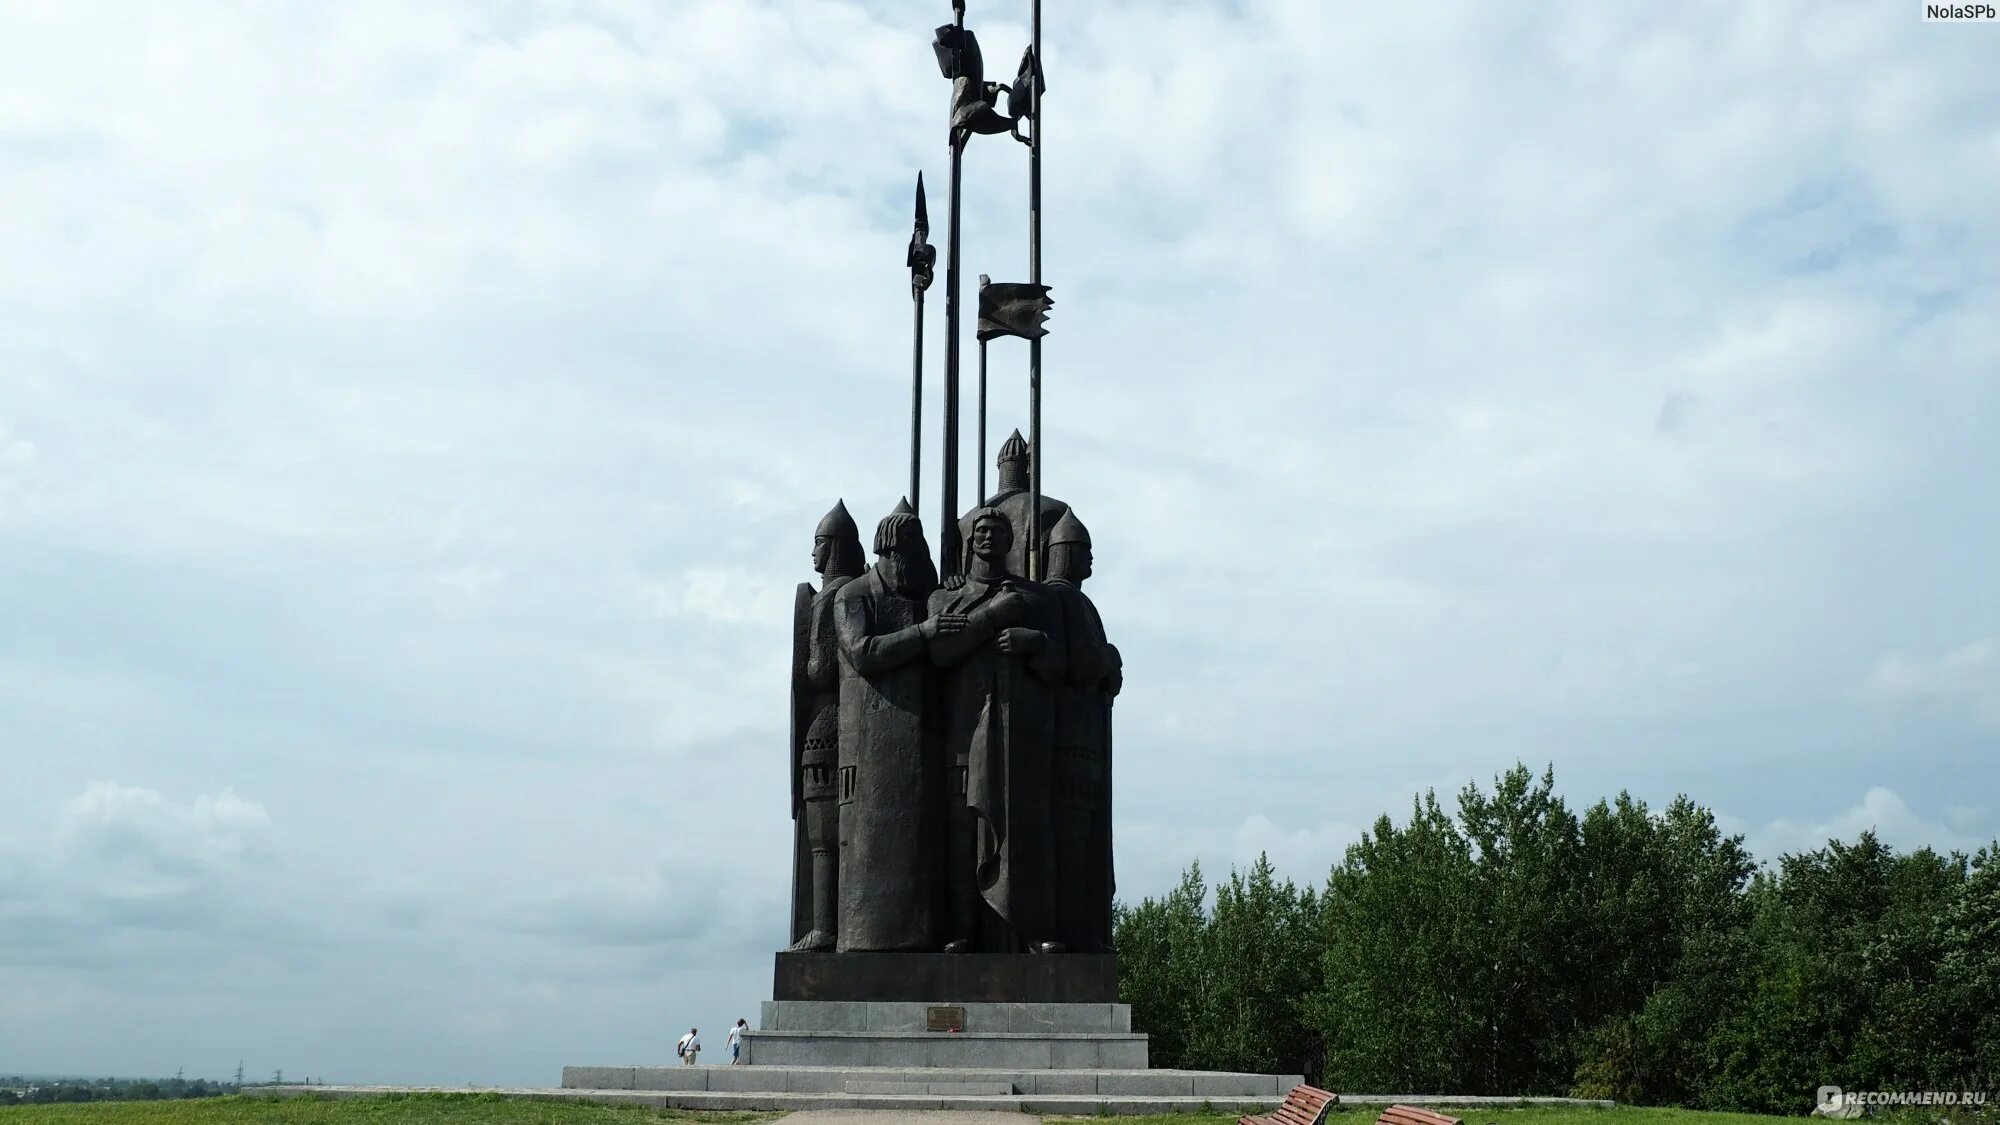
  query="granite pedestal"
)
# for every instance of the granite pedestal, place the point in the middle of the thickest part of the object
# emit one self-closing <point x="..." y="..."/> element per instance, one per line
<point x="1040" y="1033"/>
<point x="1005" y="1036"/>
<point x="944" y="978"/>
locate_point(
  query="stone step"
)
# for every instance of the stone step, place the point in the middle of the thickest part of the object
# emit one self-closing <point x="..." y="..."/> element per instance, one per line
<point x="835" y="1079"/>
<point x="973" y="1089"/>
<point x="1050" y="1103"/>
<point x="837" y="1015"/>
<point x="1037" y="1050"/>
<point x="1078" y="1105"/>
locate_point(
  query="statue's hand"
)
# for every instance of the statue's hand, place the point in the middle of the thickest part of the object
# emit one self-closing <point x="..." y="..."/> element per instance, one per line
<point x="955" y="582"/>
<point x="1114" y="683"/>
<point x="945" y="624"/>
<point x="1021" y="642"/>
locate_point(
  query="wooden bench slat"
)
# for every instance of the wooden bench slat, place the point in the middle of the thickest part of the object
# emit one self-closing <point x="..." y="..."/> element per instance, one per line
<point x="1304" y="1105"/>
<point x="1412" y="1115"/>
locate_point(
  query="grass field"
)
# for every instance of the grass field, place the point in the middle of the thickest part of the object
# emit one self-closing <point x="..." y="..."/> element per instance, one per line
<point x="491" y="1109"/>
<point x="444" y="1109"/>
<point x="1491" y="1115"/>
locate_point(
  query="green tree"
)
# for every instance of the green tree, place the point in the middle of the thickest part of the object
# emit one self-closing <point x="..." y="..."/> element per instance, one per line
<point x="1400" y="918"/>
<point x="1666" y="948"/>
<point x="1969" y="971"/>
<point x="1163" y="969"/>
<point x="1846" y="942"/>
<point x="1261" y="948"/>
<point x="1531" y="895"/>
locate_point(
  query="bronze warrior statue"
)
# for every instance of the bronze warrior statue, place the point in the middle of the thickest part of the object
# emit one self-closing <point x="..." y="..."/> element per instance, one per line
<point x="1081" y="793"/>
<point x="999" y="641"/>
<point x="837" y="559"/>
<point x="890" y="771"/>
<point x="1012" y="499"/>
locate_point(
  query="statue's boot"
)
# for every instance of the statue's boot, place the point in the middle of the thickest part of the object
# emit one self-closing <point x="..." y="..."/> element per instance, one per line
<point x="826" y="891"/>
<point x="826" y="897"/>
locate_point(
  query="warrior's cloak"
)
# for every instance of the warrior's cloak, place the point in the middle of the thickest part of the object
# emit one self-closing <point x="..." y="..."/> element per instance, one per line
<point x="1083" y="767"/>
<point x="999" y="726"/>
<point x="890" y="785"/>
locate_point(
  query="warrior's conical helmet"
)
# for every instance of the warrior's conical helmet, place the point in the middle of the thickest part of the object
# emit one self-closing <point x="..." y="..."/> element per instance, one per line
<point x="837" y="524"/>
<point x="1069" y="530"/>
<point x="900" y="523"/>
<point x="1013" y="449"/>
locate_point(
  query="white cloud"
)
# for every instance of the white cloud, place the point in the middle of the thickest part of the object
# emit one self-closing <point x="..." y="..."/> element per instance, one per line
<point x="128" y="874"/>
<point x="1304" y="854"/>
<point x="1967" y="675"/>
<point x="137" y="829"/>
<point x="1883" y="812"/>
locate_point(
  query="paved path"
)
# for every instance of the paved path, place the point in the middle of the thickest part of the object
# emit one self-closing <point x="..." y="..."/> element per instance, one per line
<point x="907" y="1117"/>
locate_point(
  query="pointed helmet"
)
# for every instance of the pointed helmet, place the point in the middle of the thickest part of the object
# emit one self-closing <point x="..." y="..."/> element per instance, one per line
<point x="1069" y="530"/>
<point x="899" y="526"/>
<point x="1014" y="449"/>
<point x="837" y="524"/>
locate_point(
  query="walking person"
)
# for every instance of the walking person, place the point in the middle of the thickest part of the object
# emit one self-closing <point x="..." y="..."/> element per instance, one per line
<point x="689" y="1048"/>
<point x="736" y="1040"/>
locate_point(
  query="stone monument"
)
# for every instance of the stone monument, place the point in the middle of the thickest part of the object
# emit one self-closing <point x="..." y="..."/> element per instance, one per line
<point x="951" y="765"/>
<point x="815" y="733"/>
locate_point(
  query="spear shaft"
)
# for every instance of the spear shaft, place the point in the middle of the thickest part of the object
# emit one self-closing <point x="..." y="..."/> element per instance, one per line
<point x="948" y="538"/>
<point x="980" y="496"/>
<point x="921" y="258"/>
<point x="917" y="404"/>
<point x="1035" y="562"/>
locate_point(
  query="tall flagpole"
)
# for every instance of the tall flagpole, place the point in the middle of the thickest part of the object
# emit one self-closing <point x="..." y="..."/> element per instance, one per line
<point x="1035" y="278"/>
<point x="948" y="540"/>
<point x="980" y="496"/>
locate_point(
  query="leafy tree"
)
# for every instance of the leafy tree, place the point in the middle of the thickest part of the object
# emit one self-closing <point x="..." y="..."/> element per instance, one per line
<point x="1969" y="971"/>
<point x="1517" y="948"/>
<point x="1667" y="948"/>
<point x="1163" y="969"/>
<point x="1401" y="922"/>
<point x="1845" y="945"/>
<point x="1261" y="935"/>
<point x="1529" y="892"/>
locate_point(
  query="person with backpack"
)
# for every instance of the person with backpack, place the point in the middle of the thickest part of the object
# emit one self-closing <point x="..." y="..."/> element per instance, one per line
<point x="689" y="1048"/>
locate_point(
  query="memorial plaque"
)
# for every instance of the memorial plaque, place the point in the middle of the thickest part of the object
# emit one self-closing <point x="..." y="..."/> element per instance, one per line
<point x="944" y="1019"/>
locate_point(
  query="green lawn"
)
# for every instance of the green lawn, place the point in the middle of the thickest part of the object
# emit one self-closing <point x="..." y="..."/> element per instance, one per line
<point x="492" y="1109"/>
<point x="445" y="1109"/>
<point x="1491" y="1115"/>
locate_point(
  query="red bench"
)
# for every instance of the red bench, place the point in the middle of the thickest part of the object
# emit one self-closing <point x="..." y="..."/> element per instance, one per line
<point x="1411" y="1115"/>
<point x="1305" y="1105"/>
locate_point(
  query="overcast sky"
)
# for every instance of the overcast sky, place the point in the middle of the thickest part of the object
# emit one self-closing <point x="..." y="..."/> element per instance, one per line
<point x="413" y="420"/>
